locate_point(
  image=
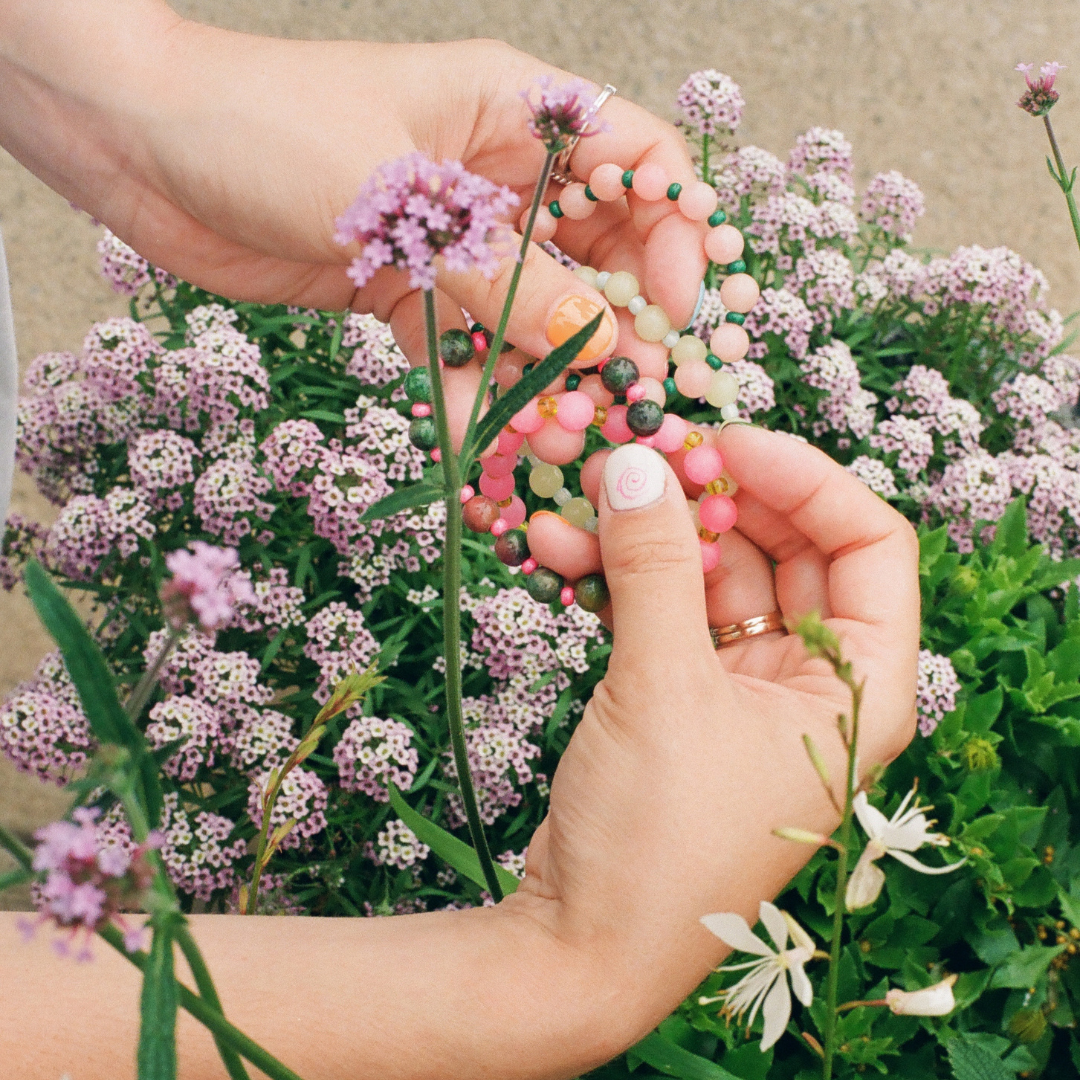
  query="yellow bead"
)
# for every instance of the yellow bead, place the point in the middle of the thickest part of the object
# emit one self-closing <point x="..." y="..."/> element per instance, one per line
<point x="507" y="502"/>
<point x="695" y="438"/>
<point x="731" y="487"/>
<point x="588" y="275"/>
<point x="545" y="480"/>
<point x="578" y="511"/>
<point x="689" y="347"/>
<point x="723" y="390"/>
<point x="708" y="537"/>
<point x="547" y="407"/>
<point x="716" y="487"/>
<point x="652" y="323"/>
<point x="621" y="288"/>
<point x="600" y="416"/>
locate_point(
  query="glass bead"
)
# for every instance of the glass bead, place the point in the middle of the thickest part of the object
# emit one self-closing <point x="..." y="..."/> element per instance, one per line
<point x="670" y="388"/>
<point x="591" y="525"/>
<point x="603" y="278"/>
<point x="545" y="480"/>
<point x="671" y="339"/>
<point x="628" y="178"/>
<point x="674" y="191"/>
<point x="588" y="275"/>
<point x="619" y="374"/>
<point x="714" y="361"/>
<point x="688" y="347"/>
<point x="644" y="418"/>
<point x="736" y="317"/>
<point x="590" y="195"/>
<point x="555" y="209"/>
<point x="591" y="593"/>
<point x="562" y="496"/>
<point x="637" y="305"/>
<point x="652" y="323"/>
<point x="456" y="348"/>
<point x="566" y="596"/>
<point x="547" y="407"/>
<point x="707" y="535"/>
<point x="573" y="382"/>
<point x="422" y="433"/>
<point x="718" y="217"/>
<point x="600" y="416"/>
<point x="738" y="266"/>
<point x="695" y="438"/>
<point x="418" y="385"/>
<point x="730" y="412"/>
<point x="577" y="511"/>
<point x="621" y="288"/>
<point x="723" y="389"/>
<point x="544" y="585"/>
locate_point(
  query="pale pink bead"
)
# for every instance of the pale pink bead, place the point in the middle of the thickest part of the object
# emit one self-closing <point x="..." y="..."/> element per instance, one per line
<point x="436" y="455"/>
<point x="606" y="182"/>
<point x="420" y="409"/>
<point x="510" y="441"/>
<point x="710" y="556"/>
<point x="650" y="182"/>
<point x="566" y="596"/>
<point x="647" y="440"/>
<point x="702" y="465"/>
<point x="528" y="566"/>
<point x="724" y="244"/>
<point x="594" y="387"/>
<point x="672" y="433"/>
<point x="576" y="410"/>
<point x="697" y="200"/>
<point x="717" y="512"/>
<point x="556" y="445"/>
<point x="575" y="204"/>
<point x="514" y="514"/>
<point x="467" y="492"/>
<point x="615" y="429"/>
<point x="527" y="419"/>
<point x="544" y="226"/>
<point x="635" y="393"/>
<point x="692" y="378"/>
<point x="509" y="367"/>
<point x="498" y="527"/>
<point x="499" y="465"/>
<point x="653" y="390"/>
<point x="729" y="342"/>
<point x="739" y="293"/>
<point x="497" y="487"/>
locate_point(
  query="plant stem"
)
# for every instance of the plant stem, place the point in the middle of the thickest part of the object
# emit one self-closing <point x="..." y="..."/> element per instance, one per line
<point x="705" y="140"/>
<point x="452" y="605"/>
<point x="264" y="831"/>
<point x="467" y="454"/>
<point x="205" y="983"/>
<point x="145" y="687"/>
<point x="17" y="849"/>
<point x="1063" y="181"/>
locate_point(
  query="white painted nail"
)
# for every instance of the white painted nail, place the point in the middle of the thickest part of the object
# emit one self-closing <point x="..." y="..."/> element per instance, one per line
<point x="634" y="476"/>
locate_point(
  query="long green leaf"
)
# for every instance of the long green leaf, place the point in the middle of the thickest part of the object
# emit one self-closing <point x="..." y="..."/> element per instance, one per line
<point x="673" y="1060"/>
<point x="418" y="495"/>
<point x="448" y="847"/>
<point x="15" y="877"/>
<point x="556" y="362"/>
<point x="157" y="1033"/>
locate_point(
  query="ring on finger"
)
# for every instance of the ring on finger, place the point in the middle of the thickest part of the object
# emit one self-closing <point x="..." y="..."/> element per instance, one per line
<point x="733" y="633"/>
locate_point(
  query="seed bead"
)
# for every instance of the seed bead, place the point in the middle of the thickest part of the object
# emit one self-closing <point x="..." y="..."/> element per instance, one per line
<point x="729" y="412"/>
<point x="736" y="267"/>
<point x="603" y="278"/>
<point x="673" y="192"/>
<point x="735" y="317"/>
<point x="714" y="361"/>
<point x="628" y="179"/>
<point x="670" y="339"/>
<point x="590" y="194"/>
<point x="562" y="496"/>
<point x="718" y="217"/>
<point x="547" y="407"/>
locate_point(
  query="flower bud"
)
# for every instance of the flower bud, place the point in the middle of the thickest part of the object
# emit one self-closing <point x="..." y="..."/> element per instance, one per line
<point x="979" y="754"/>
<point x="936" y="1000"/>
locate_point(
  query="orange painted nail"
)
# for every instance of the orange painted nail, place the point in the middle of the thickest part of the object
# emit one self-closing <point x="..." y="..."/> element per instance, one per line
<point x="576" y="311"/>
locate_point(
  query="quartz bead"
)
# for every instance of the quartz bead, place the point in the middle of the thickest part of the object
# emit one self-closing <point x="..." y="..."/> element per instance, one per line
<point x="670" y="339"/>
<point x="575" y="410"/>
<point x="724" y="244"/>
<point x="693" y="378"/>
<point x="577" y="511"/>
<point x="574" y="204"/>
<point x="621" y="288"/>
<point x="697" y="201"/>
<point x="514" y="514"/>
<point x="723" y="389"/>
<point x="688" y="347"/>
<point x="652" y="323"/>
<point x="527" y="419"/>
<point x="614" y="428"/>
<point x="729" y="342"/>
<point x="508" y="369"/>
<point x="607" y="183"/>
<point x="717" y="513"/>
<point x="637" y="305"/>
<point x="543" y="228"/>
<point x="588" y="275"/>
<point x="671" y="434"/>
<point x="729" y="412"/>
<point x="653" y="389"/>
<point x="650" y="182"/>
<point x="594" y="387"/>
<point x="739" y="293"/>
<point x="555" y="445"/>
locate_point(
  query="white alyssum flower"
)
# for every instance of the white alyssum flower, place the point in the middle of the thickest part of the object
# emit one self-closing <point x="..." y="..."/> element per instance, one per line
<point x="936" y="1000"/>
<point x="765" y="984"/>
<point x="906" y="831"/>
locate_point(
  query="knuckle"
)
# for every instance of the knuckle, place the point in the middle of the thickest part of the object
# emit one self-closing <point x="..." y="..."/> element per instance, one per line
<point x="649" y="554"/>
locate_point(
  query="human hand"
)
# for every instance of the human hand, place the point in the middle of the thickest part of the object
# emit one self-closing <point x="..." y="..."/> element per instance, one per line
<point x="687" y="758"/>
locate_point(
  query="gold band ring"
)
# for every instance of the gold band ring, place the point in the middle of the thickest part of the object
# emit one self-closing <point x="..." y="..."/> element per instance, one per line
<point x="722" y="636"/>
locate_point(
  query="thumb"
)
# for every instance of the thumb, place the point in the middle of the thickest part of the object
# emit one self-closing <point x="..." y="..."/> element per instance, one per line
<point x="652" y="562"/>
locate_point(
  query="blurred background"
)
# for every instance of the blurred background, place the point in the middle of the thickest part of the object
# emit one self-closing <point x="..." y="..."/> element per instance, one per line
<point x="923" y="86"/>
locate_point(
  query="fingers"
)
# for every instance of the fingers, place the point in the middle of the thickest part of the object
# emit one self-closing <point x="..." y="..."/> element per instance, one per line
<point x="742" y="586"/>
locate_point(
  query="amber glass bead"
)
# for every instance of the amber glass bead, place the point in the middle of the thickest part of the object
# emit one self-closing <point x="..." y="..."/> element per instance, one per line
<point x="695" y="438"/>
<point x="707" y="536"/>
<point x="600" y="416"/>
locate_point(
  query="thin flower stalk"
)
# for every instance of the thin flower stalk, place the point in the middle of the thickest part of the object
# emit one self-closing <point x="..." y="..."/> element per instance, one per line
<point x="145" y="686"/>
<point x="1064" y="179"/>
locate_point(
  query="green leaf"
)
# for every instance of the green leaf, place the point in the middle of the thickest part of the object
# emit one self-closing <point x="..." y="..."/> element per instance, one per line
<point x="157" y="1033"/>
<point x="970" y="1061"/>
<point x="323" y="414"/>
<point x="528" y="386"/>
<point x="84" y="660"/>
<point x="931" y="548"/>
<point x="1011" y="537"/>
<point x="448" y="847"/>
<point x="983" y="710"/>
<point x="673" y="1060"/>
<point x="15" y="877"/>
<point x="1023" y="969"/>
<point x="417" y="495"/>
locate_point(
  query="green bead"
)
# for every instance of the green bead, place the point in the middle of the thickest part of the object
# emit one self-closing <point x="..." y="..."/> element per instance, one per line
<point x="717" y="217"/>
<point x="418" y="385"/>
<point x="736" y="267"/>
<point x="527" y="368"/>
<point x="589" y="194"/>
<point x="714" y="361"/>
<point x="670" y="388"/>
<point x="477" y="328"/>
<point x="555" y="208"/>
<point x="456" y="348"/>
<point x="573" y="382"/>
<point x="512" y="548"/>
<point x="619" y="374"/>
<point x="544" y="585"/>
<point x="735" y="317"/>
<point x="644" y="418"/>
<point x="674" y="191"/>
<point x="591" y="593"/>
<point x="422" y="433"/>
<point x="628" y="178"/>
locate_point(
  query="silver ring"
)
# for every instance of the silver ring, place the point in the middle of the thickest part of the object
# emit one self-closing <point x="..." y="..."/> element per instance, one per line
<point x="560" y="172"/>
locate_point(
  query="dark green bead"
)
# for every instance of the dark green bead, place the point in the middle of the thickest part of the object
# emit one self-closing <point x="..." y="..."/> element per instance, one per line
<point x="628" y="178"/>
<point x="422" y="433"/>
<point x="619" y="374"/>
<point x="735" y="317"/>
<point x="456" y="348"/>
<point x="555" y="208"/>
<point x="477" y="328"/>
<point x="591" y="592"/>
<point x="527" y="368"/>
<point x="589" y="194"/>
<point x="644" y="418"/>
<point x="736" y="267"/>
<point x="418" y="385"/>
<point x="544" y="585"/>
<point x="674" y="191"/>
<point x="670" y="388"/>
<point x="512" y="548"/>
<point x="714" y="361"/>
<point x="717" y="217"/>
<point x="573" y="382"/>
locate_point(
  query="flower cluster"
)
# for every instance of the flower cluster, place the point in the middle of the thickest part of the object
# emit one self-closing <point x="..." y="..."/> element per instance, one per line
<point x="562" y="113"/>
<point x="711" y="103"/>
<point x="373" y="753"/>
<point x="936" y="691"/>
<point x="398" y="846"/>
<point x="1040" y="96"/>
<point x="893" y="203"/>
<point x="125" y="269"/>
<point x="205" y="587"/>
<point x="302" y="800"/>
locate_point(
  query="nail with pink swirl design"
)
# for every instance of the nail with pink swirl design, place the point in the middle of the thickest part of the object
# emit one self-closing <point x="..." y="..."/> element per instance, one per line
<point x="634" y="476"/>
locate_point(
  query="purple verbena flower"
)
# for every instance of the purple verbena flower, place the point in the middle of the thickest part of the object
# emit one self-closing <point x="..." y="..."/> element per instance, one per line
<point x="711" y="102"/>
<point x="204" y="587"/>
<point x="1040" y="96"/>
<point x="411" y="210"/>
<point x="563" y="112"/>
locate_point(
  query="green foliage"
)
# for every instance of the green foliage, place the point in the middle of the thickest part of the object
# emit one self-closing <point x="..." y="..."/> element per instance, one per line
<point x="158" y="1004"/>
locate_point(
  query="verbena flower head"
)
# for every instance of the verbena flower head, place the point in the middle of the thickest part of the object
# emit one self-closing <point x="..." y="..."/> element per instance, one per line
<point x="710" y="102"/>
<point x="204" y="587"/>
<point x="411" y="210"/>
<point x="1040" y="96"/>
<point x="563" y="112"/>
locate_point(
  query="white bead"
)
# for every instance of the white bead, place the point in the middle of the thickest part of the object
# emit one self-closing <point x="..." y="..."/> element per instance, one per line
<point x="587" y="274"/>
<point x="639" y="303"/>
<point x="591" y="525"/>
<point x="671" y="339"/>
<point x="603" y="278"/>
<point x="563" y="496"/>
<point x="728" y="412"/>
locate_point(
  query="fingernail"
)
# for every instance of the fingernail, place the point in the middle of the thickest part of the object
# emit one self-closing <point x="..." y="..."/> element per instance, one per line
<point x="634" y="477"/>
<point x="575" y="311"/>
<point x="697" y="306"/>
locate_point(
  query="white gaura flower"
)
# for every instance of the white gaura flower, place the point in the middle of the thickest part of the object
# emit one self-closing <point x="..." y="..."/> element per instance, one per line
<point x="936" y="1000"/>
<point x="765" y="985"/>
<point x="906" y="831"/>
